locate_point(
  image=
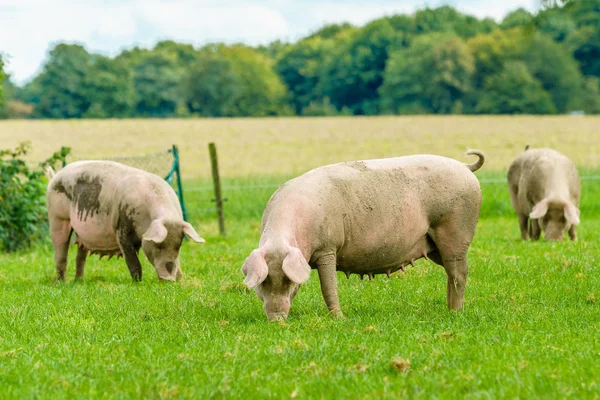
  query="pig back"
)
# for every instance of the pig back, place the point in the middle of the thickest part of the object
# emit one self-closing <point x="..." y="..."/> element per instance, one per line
<point x="381" y="206"/>
<point x="100" y="187"/>
<point x="546" y="172"/>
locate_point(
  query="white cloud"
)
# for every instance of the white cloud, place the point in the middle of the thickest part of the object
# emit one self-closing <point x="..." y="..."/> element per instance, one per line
<point x="202" y="22"/>
<point x="29" y="27"/>
<point x="356" y="14"/>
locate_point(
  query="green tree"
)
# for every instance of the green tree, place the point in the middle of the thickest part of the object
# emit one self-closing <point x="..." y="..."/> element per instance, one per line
<point x="514" y="91"/>
<point x="261" y="91"/>
<point x="584" y="44"/>
<point x="556" y="23"/>
<point x="157" y="76"/>
<point x="591" y="95"/>
<point x="433" y="75"/>
<point x="274" y="49"/>
<point x="156" y="79"/>
<point x="516" y="19"/>
<point x="60" y="85"/>
<point x="185" y="54"/>
<point x="448" y="19"/>
<point x="109" y="88"/>
<point x="552" y="65"/>
<point x="300" y="68"/>
<point x="491" y="51"/>
<point x="331" y="31"/>
<point x="585" y="13"/>
<point x="211" y="87"/>
<point x="353" y="72"/>
<point x="235" y="81"/>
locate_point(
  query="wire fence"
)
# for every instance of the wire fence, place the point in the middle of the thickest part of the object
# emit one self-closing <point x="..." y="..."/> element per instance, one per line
<point x="207" y="188"/>
<point x="159" y="163"/>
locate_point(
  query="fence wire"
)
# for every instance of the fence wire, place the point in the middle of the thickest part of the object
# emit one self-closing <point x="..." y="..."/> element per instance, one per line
<point x="159" y="163"/>
<point x="274" y="185"/>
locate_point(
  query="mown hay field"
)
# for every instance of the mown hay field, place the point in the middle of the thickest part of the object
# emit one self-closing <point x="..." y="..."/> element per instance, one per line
<point x="286" y="146"/>
<point x="529" y="328"/>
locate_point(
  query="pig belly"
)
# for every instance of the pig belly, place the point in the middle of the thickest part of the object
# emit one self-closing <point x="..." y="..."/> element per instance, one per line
<point x="95" y="233"/>
<point x="385" y="258"/>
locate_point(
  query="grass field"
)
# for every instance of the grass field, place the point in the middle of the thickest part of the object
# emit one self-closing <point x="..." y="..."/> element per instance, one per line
<point x="288" y="146"/>
<point x="529" y="328"/>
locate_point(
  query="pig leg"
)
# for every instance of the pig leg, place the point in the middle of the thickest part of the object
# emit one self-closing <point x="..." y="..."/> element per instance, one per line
<point x="80" y="262"/>
<point x="132" y="261"/>
<point x="523" y="222"/>
<point x="60" y="232"/>
<point x="456" y="269"/>
<point x="326" y="266"/>
<point x="535" y="229"/>
<point x="572" y="232"/>
<point x="523" y="218"/>
<point x="129" y="249"/>
<point x="452" y="244"/>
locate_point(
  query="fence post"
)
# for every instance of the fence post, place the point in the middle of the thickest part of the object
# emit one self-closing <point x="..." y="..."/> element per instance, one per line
<point x="217" y="183"/>
<point x="179" y="186"/>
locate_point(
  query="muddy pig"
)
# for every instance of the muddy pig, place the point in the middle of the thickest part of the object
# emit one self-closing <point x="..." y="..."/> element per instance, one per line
<point x="365" y="217"/>
<point x="545" y="190"/>
<point x="114" y="210"/>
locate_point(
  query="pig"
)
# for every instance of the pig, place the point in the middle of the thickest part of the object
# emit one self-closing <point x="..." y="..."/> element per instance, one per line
<point x="114" y="210"/>
<point x="365" y="217"/>
<point x="545" y="190"/>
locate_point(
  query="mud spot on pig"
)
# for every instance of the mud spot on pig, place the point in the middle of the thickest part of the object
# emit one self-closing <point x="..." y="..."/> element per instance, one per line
<point x="86" y="196"/>
<point x="60" y="187"/>
<point x="358" y="165"/>
<point x="126" y="218"/>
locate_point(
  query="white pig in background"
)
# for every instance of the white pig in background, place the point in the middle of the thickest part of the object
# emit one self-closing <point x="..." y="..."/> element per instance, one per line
<point x="545" y="190"/>
<point x="365" y="217"/>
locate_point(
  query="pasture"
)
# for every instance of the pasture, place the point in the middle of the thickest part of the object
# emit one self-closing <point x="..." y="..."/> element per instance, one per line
<point x="529" y="328"/>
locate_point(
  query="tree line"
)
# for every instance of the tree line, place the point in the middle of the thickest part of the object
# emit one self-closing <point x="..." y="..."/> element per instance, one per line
<point x="435" y="61"/>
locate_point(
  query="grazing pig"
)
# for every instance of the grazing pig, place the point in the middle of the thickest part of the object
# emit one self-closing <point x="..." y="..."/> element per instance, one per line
<point x="114" y="210"/>
<point x="544" y="186"/>
<point x="365" y="217"/>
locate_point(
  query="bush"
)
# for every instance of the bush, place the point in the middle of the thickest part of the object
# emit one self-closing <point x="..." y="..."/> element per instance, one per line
<point x="23" y="218"/>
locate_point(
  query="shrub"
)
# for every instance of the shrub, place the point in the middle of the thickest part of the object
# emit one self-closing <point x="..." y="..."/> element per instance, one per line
<point x="23" y="218"/>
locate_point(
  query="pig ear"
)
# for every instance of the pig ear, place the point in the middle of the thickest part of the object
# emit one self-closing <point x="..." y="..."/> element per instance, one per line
<point x="295" y="266"/>
<point x="156" y="233"/>
<point x="255" y="268"/>
<point x="539" y="210"/>
<point x="190" y="232"/>
<point x="571" y="213"/>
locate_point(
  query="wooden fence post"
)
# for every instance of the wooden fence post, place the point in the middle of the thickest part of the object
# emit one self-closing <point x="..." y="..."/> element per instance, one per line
<point x="217" y="183"/>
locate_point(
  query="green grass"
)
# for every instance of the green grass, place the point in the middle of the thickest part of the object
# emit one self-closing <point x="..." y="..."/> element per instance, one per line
<point x="529" y="328"/>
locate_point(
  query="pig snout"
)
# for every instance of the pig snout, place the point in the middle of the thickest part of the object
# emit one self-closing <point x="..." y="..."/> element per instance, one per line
<point x="554" y="230"/>
<point x="170" y="271"/>
<point x="277" y="308"/>
<point x="555" y="234"/>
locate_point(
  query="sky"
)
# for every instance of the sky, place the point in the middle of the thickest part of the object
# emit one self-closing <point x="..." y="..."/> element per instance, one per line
<point x="29" y="28"/>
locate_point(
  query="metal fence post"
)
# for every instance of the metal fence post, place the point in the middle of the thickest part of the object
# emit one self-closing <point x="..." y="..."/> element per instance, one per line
<point x="179" y="186"/>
